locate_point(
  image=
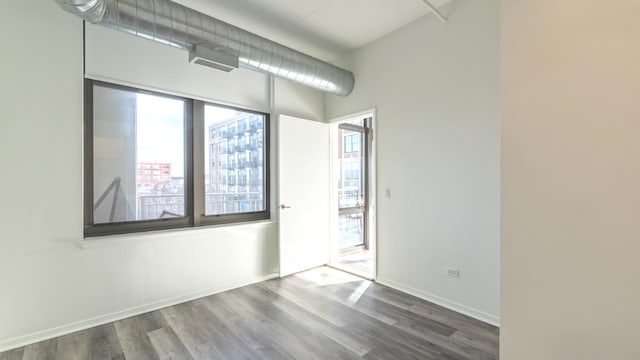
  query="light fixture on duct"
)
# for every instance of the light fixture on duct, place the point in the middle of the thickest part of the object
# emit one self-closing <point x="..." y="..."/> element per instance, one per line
<point x="208" y="57"/>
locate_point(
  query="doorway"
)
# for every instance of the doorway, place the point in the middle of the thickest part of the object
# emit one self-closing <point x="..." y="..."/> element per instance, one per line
<point x="353" y="220"/>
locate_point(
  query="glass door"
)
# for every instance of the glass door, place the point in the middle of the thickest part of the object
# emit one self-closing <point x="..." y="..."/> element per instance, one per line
<point x="353" y="184"/>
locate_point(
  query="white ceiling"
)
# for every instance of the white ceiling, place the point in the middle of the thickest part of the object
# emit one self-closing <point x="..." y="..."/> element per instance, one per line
<point x="322" y="28"/>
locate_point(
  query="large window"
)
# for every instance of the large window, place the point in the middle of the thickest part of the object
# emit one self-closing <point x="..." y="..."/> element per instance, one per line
<point x="141" y="171"/>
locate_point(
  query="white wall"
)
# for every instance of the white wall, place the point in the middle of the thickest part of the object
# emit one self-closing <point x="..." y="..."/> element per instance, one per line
<point x="570" y="180"/>
<point x="297" y="100"/>
<point x="435" y="88"/>
<point x="48" y="283"/>
<point x="115" y="56"/>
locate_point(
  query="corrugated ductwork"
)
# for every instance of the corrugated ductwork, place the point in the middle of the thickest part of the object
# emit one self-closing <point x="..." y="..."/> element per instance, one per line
<point x="176" y="25"/>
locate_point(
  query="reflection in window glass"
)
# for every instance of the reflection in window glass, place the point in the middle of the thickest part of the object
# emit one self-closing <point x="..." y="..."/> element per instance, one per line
<point x="138" y="156"/>
<point x="234" y="151"/>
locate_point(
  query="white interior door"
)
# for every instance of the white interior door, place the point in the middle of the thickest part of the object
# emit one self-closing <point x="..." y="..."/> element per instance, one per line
<point x="304" y="193"/>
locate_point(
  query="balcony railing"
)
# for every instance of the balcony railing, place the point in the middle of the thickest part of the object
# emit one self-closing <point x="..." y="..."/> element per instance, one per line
<point x="217" y="203"/>
<point x="229" y="133"/>
<point x="161" y="206"/>
<point x="155" y="206"/>
<point x="350" y="198"/>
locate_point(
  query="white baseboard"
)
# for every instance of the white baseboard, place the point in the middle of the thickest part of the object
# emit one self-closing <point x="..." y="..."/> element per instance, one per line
<point x="452" y="305"/>
<point x="119" y="315"/>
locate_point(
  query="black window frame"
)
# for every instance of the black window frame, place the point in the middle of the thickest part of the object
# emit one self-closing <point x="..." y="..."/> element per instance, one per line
<point x="195" y="197"/>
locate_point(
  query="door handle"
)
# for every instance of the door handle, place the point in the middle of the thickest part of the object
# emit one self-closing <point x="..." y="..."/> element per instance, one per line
<point x="283" y="206"/>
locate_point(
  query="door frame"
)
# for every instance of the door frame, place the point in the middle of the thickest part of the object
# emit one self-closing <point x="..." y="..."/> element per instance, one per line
<point x="371" y="220"/>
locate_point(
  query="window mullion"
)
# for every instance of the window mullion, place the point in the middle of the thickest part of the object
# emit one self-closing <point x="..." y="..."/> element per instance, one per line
<point x="198" y="161"/>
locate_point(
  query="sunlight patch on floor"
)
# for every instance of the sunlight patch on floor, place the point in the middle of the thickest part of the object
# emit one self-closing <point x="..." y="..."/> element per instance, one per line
<point x="357" y="293"/>
<point x="324" y="276"/>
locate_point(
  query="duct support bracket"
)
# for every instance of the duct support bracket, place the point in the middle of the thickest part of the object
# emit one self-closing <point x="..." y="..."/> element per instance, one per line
<point x="435" y="10"/>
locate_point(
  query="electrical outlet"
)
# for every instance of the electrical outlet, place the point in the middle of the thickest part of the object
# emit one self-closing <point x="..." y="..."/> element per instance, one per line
<point x="387" y="193"/>
<point x="453" y="272"/>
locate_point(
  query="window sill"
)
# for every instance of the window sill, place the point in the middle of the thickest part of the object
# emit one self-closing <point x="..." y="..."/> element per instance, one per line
<point x="162" y="235"/>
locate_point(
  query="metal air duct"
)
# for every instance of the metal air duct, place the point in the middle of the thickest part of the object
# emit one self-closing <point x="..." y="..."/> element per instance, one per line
<point x="173" y="24"/>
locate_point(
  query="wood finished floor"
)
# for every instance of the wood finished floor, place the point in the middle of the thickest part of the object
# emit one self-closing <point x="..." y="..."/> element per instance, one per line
<point x="356" y="260"/>
<point x="316" y="315"/>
